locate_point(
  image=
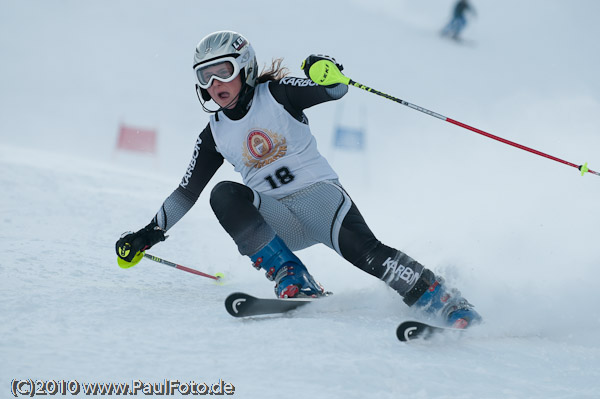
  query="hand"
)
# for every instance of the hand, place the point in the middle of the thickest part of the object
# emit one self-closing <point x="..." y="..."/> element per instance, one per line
<point x="130" y="246"/>
<point x="311" y="59"/>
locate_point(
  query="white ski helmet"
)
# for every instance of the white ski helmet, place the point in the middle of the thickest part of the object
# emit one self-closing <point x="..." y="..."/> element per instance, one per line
<point x="225" y="44"/>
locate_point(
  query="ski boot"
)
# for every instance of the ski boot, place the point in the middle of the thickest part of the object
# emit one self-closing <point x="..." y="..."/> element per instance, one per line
<point x="292" y="280"/>
<point x="431" y="295"/>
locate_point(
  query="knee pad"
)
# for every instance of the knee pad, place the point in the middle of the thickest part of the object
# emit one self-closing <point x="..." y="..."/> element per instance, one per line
<point x="227" y="193"/>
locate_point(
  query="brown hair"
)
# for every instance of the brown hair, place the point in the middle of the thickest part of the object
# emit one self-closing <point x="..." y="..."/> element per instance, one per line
<point x="276" y="72"/>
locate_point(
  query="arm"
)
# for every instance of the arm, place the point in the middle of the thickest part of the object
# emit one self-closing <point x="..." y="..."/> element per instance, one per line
<point x="204" y="164"/>
<point x="297" y="94"/>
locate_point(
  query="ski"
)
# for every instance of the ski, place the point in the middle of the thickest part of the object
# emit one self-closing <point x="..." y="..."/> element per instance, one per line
<point x="410" y="330"/>
<point x="240" y="304"/>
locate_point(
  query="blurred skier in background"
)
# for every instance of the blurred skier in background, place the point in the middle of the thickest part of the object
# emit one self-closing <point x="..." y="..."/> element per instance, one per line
<point x="290" y="198"/>
<point x="458" y="20"/>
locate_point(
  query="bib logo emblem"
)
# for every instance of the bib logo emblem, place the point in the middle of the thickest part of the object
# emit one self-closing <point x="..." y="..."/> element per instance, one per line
<point x="263" y="147"/>
<point x="259" y="144"/>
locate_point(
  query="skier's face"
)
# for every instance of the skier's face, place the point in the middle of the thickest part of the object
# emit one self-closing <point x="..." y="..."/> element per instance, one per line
<point x="225" y="94"/>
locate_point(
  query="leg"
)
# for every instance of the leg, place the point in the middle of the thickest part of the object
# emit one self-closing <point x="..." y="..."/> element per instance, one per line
<point x="236" y="208"/>
<point x="417" y="285"/>
<point x="327" y="214"/>
<point x="359" y="246"/>
<point x="446" y="30"/>
<point x="459" y="25"/>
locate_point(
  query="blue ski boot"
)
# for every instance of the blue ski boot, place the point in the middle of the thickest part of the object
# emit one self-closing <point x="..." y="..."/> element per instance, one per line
<point x="431" y="295"/>
<point x="292" y="280"/>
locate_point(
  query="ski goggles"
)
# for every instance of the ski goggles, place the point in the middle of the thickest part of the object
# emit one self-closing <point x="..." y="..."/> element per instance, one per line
<point x="223" y="69"/>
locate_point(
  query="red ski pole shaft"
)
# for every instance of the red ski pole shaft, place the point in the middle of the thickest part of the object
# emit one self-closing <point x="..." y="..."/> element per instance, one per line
<point x="180" y="267"/>
<point x="583" y="168"/>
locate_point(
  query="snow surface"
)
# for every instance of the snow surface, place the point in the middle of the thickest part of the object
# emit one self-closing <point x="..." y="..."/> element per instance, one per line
<point x="517" y="233"/>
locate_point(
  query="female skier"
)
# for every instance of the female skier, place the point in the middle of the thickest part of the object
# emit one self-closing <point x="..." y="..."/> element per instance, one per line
<point x="291" y="197"/>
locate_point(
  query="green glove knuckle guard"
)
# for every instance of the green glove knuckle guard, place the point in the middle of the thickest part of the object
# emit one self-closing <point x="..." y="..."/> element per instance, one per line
<point x="131" y="246"/>
<point x="323" y="70"/>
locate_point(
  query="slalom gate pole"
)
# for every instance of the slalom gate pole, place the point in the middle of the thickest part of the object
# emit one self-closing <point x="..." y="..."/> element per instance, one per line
<point x="325" y="73"/>
<point x="217" y="277"/>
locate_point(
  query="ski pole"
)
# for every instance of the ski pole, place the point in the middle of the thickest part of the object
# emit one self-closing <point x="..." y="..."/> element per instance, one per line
<point x="325" y="73"/>
<point x="217" y="276"/>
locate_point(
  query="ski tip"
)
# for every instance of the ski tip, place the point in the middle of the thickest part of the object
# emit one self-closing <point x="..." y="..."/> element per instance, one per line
<point x="410" y="330"/>
<point x="235" y="301"/>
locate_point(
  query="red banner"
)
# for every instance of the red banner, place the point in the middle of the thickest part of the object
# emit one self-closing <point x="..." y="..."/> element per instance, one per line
<point x="137" y="139"/>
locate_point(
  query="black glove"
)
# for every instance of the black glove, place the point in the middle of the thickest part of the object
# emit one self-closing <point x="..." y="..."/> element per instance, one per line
<point x="311" y="59"/>
<point x="131" y="243"/>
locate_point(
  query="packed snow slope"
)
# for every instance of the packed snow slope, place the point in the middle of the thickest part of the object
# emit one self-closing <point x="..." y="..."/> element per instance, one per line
<point x="516" y="232"/>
